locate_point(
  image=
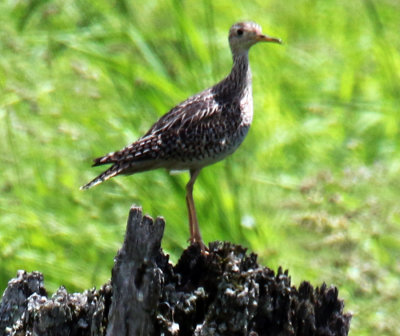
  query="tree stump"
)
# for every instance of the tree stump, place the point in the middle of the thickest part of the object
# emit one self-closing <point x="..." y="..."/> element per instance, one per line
<point x="224" y="292"/>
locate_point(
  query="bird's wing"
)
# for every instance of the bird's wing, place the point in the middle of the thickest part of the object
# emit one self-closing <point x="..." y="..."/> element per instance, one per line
<point x="192" y="111"/>
<point x="201" y="111"/>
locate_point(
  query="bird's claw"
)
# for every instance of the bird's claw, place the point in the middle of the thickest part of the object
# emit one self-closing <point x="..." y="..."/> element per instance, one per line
<point x="203" y="248"/>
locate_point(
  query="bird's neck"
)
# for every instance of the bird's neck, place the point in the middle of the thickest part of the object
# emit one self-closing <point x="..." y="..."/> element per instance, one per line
<point x="241" y="73"/>
<point x="238" y="82"/>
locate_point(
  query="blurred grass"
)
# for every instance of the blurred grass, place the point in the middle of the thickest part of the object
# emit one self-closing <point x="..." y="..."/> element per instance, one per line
<point x="314" y="187"/>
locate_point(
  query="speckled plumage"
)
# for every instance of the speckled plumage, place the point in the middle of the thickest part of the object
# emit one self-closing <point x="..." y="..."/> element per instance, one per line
<point x="201" y="130"/>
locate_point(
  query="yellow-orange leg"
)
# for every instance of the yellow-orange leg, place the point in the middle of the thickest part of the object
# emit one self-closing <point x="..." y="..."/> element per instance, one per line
<point x="195" y="236"/>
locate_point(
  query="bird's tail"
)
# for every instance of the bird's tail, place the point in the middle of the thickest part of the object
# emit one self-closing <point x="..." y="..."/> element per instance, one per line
<point x="109" y="158"/>
<point x="110" y="172"/>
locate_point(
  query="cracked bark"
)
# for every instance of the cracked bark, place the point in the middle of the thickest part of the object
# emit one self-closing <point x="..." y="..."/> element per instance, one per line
<point x="223" y="293"/>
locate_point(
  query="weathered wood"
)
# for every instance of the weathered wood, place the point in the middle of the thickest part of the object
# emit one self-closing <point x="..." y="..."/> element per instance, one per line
<point x="225" y="292"/>
<point x="25" y="309"/>
<point x="14" y="299"/>
<point x="136" y="278"/>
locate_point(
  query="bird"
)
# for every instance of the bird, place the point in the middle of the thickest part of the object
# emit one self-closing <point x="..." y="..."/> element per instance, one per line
<point x="198" y="132"/>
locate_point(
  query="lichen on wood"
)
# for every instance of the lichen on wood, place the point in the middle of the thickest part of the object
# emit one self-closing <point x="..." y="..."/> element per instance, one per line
<point x="224" y="292"/>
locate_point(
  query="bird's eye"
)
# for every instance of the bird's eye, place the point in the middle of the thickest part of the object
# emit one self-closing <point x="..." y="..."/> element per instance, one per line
<point x="240" y="32"/>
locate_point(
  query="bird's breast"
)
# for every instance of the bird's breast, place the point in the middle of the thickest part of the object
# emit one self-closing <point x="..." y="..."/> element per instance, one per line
<point x="246" y="106"/>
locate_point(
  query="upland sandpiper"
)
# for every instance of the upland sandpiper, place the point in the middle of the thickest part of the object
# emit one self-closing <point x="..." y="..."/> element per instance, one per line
<point x="198" y="132"/>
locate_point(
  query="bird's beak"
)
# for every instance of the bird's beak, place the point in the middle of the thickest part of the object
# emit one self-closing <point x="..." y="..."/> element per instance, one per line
<point x="265" y="38"/>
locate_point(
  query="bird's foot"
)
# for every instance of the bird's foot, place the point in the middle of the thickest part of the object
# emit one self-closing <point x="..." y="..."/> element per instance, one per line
<point x="203" y="248"/>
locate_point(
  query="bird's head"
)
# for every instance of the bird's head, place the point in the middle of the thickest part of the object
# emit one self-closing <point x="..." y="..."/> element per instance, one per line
<point x="243" y="35"/>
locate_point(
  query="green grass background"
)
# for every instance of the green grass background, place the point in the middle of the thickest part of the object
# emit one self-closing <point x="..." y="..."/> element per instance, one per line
<point x="315" y="186"/>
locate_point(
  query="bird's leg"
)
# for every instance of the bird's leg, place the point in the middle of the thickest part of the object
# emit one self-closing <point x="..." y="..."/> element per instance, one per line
<point x="195" y="236"/>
